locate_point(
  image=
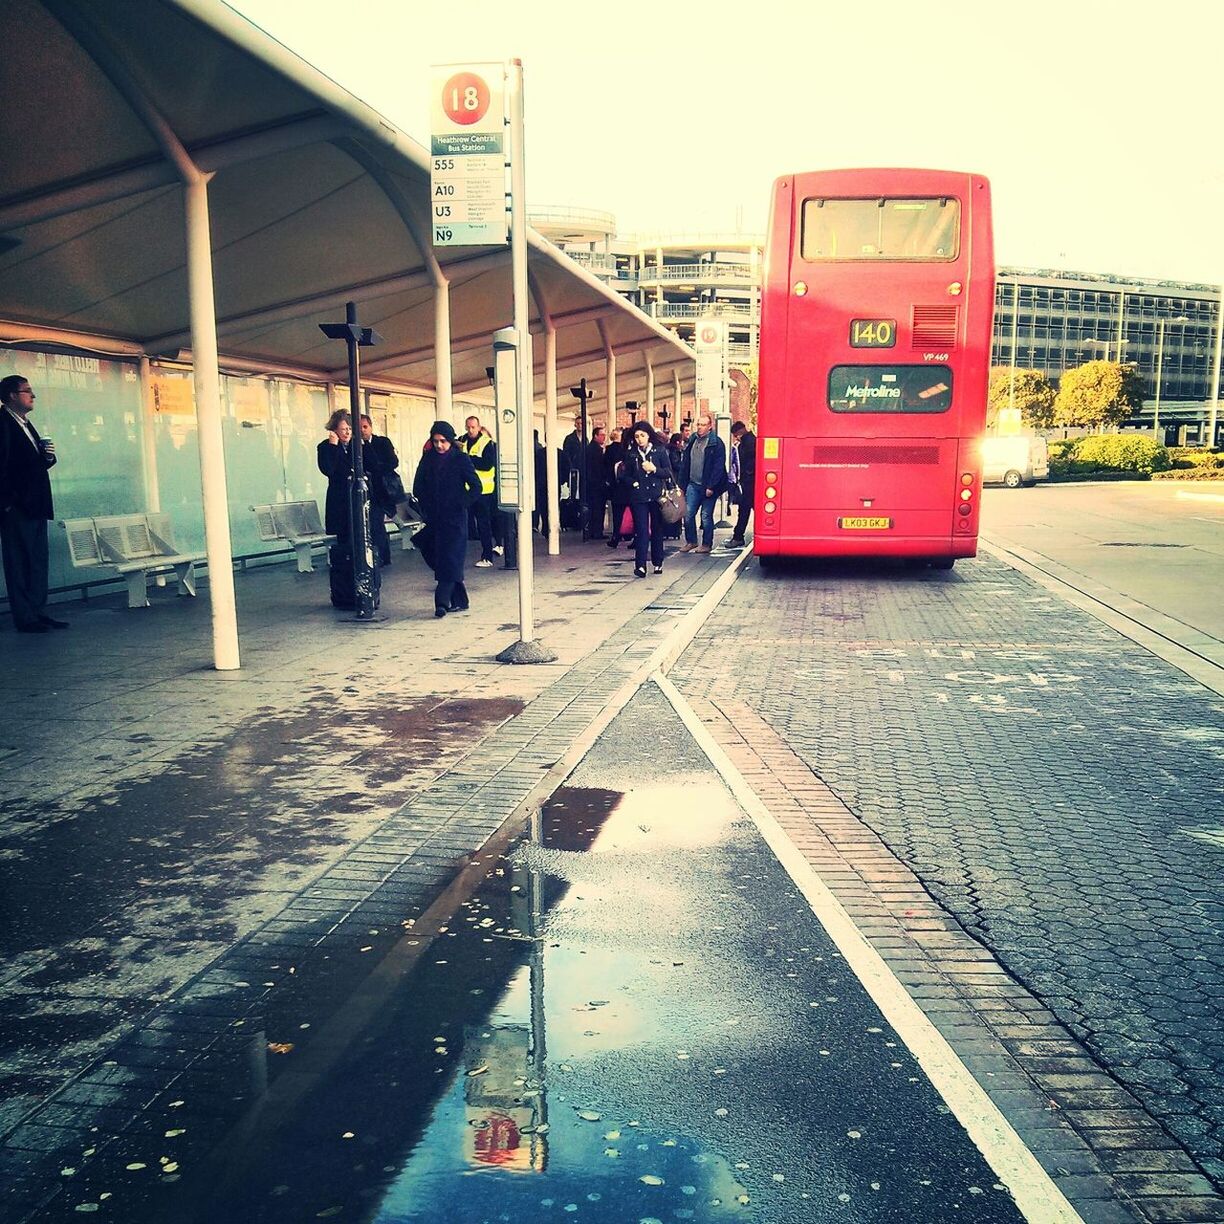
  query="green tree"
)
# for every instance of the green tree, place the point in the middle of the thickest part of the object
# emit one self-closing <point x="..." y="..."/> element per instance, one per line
<point x="1097" y="394"/>
<point x="1034" y="396"/>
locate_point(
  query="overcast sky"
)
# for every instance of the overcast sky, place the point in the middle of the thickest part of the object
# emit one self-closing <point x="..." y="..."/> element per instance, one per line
<point x="1099" y="125"/>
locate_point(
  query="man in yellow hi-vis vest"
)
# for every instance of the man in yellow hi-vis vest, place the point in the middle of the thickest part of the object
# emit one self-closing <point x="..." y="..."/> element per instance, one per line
<point x="482" y="451"/>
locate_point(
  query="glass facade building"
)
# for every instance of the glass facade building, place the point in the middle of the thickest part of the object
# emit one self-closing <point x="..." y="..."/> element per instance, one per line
<point x="1053" y="321"/>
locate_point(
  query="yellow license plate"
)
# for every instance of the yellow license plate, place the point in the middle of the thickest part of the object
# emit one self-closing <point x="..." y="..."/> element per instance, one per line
<point x="865" y="524"/>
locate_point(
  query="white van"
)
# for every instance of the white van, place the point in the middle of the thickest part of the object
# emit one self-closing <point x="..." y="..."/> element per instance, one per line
<point x="1014" y="461"/>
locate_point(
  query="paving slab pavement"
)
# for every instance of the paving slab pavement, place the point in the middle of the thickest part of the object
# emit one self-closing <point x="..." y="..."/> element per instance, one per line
<point x="629" y="1014"/>
<point x="330" y="905"/>
<point x="156" y="814"/>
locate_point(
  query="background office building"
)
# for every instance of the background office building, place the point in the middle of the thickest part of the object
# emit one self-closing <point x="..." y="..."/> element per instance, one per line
<point x="1053" y="321"/>
<point x="675" y="278"/>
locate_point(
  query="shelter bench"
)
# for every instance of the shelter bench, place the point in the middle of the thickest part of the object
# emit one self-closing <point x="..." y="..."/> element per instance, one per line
<point x="298" y="523"/>
<point x="136" y="545"/>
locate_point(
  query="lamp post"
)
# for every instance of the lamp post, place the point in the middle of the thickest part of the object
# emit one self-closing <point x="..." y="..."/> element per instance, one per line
<point x="1160" y="331"/>
<point x="583" y="395"/>
<point x="355" y="338"/>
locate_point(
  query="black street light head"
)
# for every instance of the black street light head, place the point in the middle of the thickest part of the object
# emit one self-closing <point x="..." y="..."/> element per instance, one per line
<point x="363" y="337"/>
<point x="580" y="394"/>
<point x="489" y="373"/>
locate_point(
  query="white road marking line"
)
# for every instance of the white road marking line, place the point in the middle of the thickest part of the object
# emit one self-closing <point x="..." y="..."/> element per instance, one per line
<point x="1182" y="495"/>
<point x="1034" y="1191"/>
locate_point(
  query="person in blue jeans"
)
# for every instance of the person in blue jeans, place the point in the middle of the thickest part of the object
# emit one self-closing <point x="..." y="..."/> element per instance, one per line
<point x="644" y="473"/>
<point x="703" y="477"/>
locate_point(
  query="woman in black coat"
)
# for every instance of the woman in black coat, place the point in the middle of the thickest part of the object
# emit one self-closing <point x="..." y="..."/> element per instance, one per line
<point x="336" y="463"/>
<point x="644" y="472"/>
<point x="446" y="484"/>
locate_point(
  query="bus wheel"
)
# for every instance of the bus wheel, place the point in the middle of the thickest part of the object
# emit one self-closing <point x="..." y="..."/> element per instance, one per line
<point x="1013" y="479"/>
<point x="943" y="563"/>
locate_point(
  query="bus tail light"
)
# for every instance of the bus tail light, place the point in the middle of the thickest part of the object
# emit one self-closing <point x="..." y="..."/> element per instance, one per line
<point x="964" y="505"/>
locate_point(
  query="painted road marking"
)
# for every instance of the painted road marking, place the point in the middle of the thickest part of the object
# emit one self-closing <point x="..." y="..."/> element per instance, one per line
<point x="1207" y="497"/>
<point x="1035" y="1193"/>
<point x="1213" y="837"/>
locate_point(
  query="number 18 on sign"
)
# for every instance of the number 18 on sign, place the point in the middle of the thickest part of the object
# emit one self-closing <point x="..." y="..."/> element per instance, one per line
<point x="467" y="185"/>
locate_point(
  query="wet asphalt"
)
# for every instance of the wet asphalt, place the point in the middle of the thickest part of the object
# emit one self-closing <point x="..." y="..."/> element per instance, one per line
<point x="630" y="1014"/>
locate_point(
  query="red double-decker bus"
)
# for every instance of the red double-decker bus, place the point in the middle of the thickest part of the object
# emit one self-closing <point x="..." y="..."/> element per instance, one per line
<point x="874" y="363"/>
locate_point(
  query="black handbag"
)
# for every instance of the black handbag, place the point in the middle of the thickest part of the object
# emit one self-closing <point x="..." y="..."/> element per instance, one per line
<point x="392" y="488"/>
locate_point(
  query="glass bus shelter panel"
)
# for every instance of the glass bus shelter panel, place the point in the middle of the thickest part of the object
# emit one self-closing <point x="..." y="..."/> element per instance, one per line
<point x="885" y="229"/>
<point x="90" y="408"/>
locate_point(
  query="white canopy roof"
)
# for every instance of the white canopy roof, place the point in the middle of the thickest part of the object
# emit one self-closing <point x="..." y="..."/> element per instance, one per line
<point x="316" y="200"/>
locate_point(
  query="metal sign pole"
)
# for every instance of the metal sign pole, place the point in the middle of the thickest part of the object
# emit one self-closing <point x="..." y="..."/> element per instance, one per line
<point x="355" y="338"/>
<point x="526" y="649"/>
<point x="584" y="503"/>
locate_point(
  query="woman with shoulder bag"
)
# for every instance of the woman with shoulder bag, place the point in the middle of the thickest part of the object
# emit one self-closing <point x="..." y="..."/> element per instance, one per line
<point x="644" y="472"/>
<point x="446" y="485"/>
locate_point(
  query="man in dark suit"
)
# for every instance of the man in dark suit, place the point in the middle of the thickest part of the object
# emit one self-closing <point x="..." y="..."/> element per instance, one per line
<point x="596" y="489"/>
<point x="25" y="507"/>
<point x="743" y="474"/>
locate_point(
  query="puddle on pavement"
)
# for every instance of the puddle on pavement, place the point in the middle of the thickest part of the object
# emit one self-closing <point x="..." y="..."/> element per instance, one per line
<point x="124" y="896"/>
<point x="572" y="1037"/>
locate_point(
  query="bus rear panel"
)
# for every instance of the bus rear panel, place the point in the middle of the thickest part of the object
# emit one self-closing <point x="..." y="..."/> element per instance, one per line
<point x="874" y="362"/>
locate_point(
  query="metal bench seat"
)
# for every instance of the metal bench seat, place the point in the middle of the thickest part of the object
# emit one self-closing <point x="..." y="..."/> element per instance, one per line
<point x="135" y="546"/>
<point x="298" y="523"/>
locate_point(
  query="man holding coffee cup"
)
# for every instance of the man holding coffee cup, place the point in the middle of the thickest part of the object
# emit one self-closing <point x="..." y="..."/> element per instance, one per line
<point x="25" y="507"/>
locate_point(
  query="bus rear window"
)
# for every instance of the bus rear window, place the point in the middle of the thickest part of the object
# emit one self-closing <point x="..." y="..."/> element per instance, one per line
<point x="899" y="389"/>
<point x="900" y="229"/>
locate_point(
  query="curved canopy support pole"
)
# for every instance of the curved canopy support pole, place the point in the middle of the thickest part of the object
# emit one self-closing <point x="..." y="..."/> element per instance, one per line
<point x="650" y="391"/>
<point x="148" y="439"/>
<point x="610" y="374"/>
<point x="551" y="441"/>
<point x="417" y="230"/>
<point x="203" y="320"/>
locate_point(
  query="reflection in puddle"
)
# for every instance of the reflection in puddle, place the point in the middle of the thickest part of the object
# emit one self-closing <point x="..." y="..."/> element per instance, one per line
<point x="518" y="1134"/>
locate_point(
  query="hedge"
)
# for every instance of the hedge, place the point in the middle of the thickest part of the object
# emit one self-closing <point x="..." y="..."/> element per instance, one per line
<point x="1123" y="453"/>
<point x="1195" y="457"/>
<point x="1194" y="473"/>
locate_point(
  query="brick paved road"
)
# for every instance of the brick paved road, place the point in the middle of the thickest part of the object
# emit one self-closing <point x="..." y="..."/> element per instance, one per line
<point x="1056" y="788"/>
